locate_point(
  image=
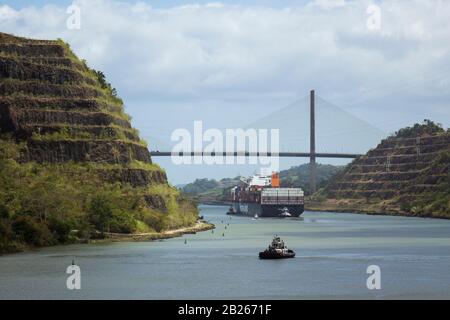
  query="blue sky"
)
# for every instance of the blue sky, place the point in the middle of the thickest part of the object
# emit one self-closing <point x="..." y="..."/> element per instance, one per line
<point x="230" y="63"/>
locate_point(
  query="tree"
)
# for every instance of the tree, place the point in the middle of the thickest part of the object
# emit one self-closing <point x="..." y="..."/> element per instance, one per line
<point x="101" y="212"/>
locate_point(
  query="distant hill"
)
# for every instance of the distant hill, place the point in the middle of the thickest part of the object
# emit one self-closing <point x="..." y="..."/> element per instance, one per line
<point x="209" y="191"/>
<point x="213" y="191"/>
<point x="298" y="177"/>
<point x="407" y="174"/>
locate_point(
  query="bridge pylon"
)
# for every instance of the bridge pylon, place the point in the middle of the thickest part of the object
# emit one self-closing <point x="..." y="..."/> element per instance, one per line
<point x="312" y="145"/>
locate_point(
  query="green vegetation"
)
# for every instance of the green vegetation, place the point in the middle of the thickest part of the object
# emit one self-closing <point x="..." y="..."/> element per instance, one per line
<point x="428" y="127"/>
<point x="135" y="164"/>
<point x="298" y="176"/>
<point x="430" y="204"/>
<point x="210" y="191"/>
<point x="75" y="67"/>
<point x="200" y="186"/>
<point x="109" y="133"/>
<point x="400" y="176"/>
<point x="436" y="203"/>
<point x="20" y="89"/>
<point x="75" y="194"/>
<point x="106" y="85"/>
<point x="109" y="91"/>
<point x="50" y="204"/>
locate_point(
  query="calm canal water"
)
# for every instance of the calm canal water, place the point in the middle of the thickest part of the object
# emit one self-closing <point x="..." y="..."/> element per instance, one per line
<point x="333" y="253"/>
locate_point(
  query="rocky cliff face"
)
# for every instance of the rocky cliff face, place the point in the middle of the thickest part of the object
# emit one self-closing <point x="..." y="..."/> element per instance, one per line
<point x="61" y="112"/>
<point x="56" y="104"/>
<point x="405" y="174"/>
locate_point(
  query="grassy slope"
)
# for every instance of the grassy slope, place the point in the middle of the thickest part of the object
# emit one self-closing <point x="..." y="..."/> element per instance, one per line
<point x="408" y="201"/>
<point x="52" y="203"/>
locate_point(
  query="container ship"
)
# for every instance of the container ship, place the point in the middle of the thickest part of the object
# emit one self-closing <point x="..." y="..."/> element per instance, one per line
<point x="261" y="196"/>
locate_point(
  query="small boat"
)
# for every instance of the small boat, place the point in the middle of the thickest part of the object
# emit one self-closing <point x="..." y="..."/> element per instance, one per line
<point x="285" y="213"/>
<point x="277" y="250"/>
<point x="231" y="211"/>
<point x="255" y="217"/>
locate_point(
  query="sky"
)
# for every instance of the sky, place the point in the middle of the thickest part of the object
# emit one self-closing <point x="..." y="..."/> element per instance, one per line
<point x="230" y="63"/>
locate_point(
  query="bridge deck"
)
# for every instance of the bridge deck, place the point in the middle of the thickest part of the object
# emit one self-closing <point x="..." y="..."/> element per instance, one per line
<point x="254" y="154"/>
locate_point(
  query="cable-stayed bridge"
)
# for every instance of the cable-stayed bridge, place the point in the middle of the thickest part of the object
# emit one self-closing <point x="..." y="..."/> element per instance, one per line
<point x="302" y="124"/>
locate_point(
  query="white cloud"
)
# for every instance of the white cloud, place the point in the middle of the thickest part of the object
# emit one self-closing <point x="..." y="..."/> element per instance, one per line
<point x="227" y="64"/>
<point x="217" y="50"/>
<point x="330" y="4"/>
<point x="7" y="13"/>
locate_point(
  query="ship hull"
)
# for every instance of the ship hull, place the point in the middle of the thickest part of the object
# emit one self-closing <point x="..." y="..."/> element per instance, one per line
<point x="252" y="209"/>
<point x="274" y="255"/>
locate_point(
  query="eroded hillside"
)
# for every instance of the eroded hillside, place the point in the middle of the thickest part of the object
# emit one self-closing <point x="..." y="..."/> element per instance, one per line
<point x="407" y="173"/>
<point x="69" y="157"/>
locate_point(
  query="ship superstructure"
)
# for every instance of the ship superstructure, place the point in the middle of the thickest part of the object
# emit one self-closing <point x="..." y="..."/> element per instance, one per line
<point x="262" y="195"/>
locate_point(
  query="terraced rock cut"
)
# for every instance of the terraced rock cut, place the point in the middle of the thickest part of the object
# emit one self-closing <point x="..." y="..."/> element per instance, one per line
<point x="407" y="173"/>
<point x="62" y="123"/>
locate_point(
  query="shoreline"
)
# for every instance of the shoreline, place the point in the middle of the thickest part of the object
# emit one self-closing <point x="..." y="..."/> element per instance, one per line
<point x="370" y="209"/>
<point x="341" y="208"/>
<point x="199" y="226"/>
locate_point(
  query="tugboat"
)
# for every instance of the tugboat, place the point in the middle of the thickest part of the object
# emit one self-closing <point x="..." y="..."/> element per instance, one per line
<point x="277" y="250"/>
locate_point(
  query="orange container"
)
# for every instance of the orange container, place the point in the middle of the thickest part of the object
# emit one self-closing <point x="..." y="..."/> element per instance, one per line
<point x="275" y="180"/>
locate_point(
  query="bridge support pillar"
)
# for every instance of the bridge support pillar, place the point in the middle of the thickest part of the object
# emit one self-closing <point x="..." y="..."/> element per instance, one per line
<point x="312" y="145"/>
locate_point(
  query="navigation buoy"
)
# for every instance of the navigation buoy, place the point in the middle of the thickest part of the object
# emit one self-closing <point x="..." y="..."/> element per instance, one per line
<point x="185" y="241"/>
<point x="212" y="231"/>
<point x="225" y="227"/>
